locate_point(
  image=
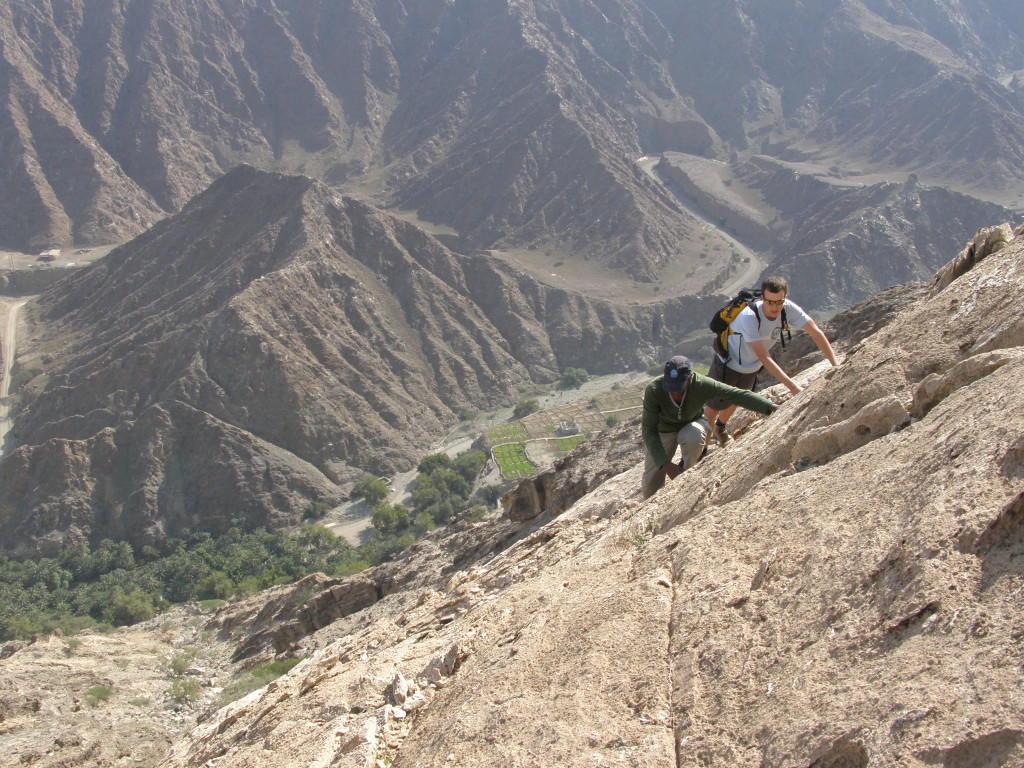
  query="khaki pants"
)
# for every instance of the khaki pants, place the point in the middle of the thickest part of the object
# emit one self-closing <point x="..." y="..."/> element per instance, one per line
<point x="691" y="440"/>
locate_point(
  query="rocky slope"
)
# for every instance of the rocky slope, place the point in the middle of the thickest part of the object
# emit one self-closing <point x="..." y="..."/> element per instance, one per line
<point x="125" y="697"/>
<point x="773" y="607"/>
<point x="838" y="587"/>
<point x="274" y="340"/>
<point x="509" y="124"/>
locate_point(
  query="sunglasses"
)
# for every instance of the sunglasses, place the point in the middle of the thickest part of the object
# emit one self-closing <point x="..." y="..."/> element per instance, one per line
<point x="774" y="302"/>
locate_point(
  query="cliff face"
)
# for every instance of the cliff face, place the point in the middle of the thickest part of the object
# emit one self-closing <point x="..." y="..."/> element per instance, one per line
<point x="311" y="336"/>
<point x="838" y="587"/>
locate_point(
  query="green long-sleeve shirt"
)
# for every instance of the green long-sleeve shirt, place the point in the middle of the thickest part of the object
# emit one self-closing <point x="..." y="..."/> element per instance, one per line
<point x="661" y="414"/>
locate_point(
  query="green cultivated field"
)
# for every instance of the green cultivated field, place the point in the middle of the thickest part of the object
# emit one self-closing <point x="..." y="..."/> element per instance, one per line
<point x="566" y="444"/>
<point x="507" y="433"/>
<point x="511" y="457"/>
<point x="508" y="441"/>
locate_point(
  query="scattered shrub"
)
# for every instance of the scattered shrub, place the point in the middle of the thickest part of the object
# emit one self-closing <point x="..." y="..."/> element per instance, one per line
<point x="258" y="676"/>
<point x="372" y="489"/>
<point x="184" y="690"/>
<point x="98" y="694"/>
<point x="318" y="509"/>
<point x="525" y="408"/>
<point x="181" y="662"/>
<point x="573" y="378"/>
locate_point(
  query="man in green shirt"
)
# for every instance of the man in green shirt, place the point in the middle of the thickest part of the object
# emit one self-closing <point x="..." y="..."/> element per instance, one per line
<point x="674" y="417"/>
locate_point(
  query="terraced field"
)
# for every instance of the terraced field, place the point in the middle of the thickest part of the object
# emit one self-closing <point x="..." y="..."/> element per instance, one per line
<point x="534" y="442"/>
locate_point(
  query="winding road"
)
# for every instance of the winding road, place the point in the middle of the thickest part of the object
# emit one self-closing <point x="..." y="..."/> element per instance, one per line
<point x="754" y="266"/>
<point x="10" y="337"/>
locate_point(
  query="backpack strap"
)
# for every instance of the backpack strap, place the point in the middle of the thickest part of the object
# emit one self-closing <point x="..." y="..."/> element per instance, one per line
<point x="753" y="308"/>
<point x="783" y="331"/>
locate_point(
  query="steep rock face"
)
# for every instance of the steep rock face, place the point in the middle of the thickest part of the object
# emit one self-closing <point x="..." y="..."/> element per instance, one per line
<point x="770" y="606"/>
<point x="59" y="186"/>
<point x="311" y="323"/>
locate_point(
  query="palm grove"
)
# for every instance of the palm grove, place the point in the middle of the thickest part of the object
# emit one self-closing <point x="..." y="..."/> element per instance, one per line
<point x="112" y="584"/>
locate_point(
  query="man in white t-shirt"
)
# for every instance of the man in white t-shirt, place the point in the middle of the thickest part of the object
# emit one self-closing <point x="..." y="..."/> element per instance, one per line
<point x="753" y="334"/>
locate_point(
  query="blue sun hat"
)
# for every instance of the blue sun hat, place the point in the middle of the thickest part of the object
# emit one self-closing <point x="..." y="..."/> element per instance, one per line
<point x="677" y="374"/>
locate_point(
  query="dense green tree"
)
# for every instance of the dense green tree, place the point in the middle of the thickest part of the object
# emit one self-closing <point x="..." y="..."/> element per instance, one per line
<point x="181" y="571"/>
<point x="85" y="585"/>
<point x="423" y="524"/>
<point x="371" y="488"/>
<point x="390" y="518"/>
<point x="470" y="464"/>
<point x="129" y="608"/>
<point x="443" y="485"/>
<point x="442" y="511"/>
<point x="218" y="585"/>
<point x="425" y="492"/>
<point x="434" y="461"/>
<point x="525" y="408"/>
<point x="379" y="548"/>
<point x="573" y="378"/>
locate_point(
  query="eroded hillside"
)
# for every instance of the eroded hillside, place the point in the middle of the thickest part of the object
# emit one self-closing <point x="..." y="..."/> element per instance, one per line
<point x="513" y="126"/>
<point x="267" y="346"/>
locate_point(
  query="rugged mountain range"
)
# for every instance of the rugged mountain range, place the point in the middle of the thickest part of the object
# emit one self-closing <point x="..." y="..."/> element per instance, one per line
<point x="838" y="587"/>
<point x="275" y="340"/>
<point x="511" y="124"/>
<point x="271" y="341"/>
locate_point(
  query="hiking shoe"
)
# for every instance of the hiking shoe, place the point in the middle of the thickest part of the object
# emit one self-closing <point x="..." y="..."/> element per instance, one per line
<point x="721" y="434"/>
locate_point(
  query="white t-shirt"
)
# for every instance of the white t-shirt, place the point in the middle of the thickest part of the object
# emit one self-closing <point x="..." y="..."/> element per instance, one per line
<point x="745" y="330"/>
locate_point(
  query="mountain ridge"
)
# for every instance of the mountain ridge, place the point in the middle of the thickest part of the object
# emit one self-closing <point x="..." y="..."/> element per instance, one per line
<point x="316" y="325"/>
<point x="516" y="125"/>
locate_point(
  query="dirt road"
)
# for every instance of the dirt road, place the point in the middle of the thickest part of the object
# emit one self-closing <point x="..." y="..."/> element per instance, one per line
<point x="9" y="318"/>
<point x="754" y="265"/>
